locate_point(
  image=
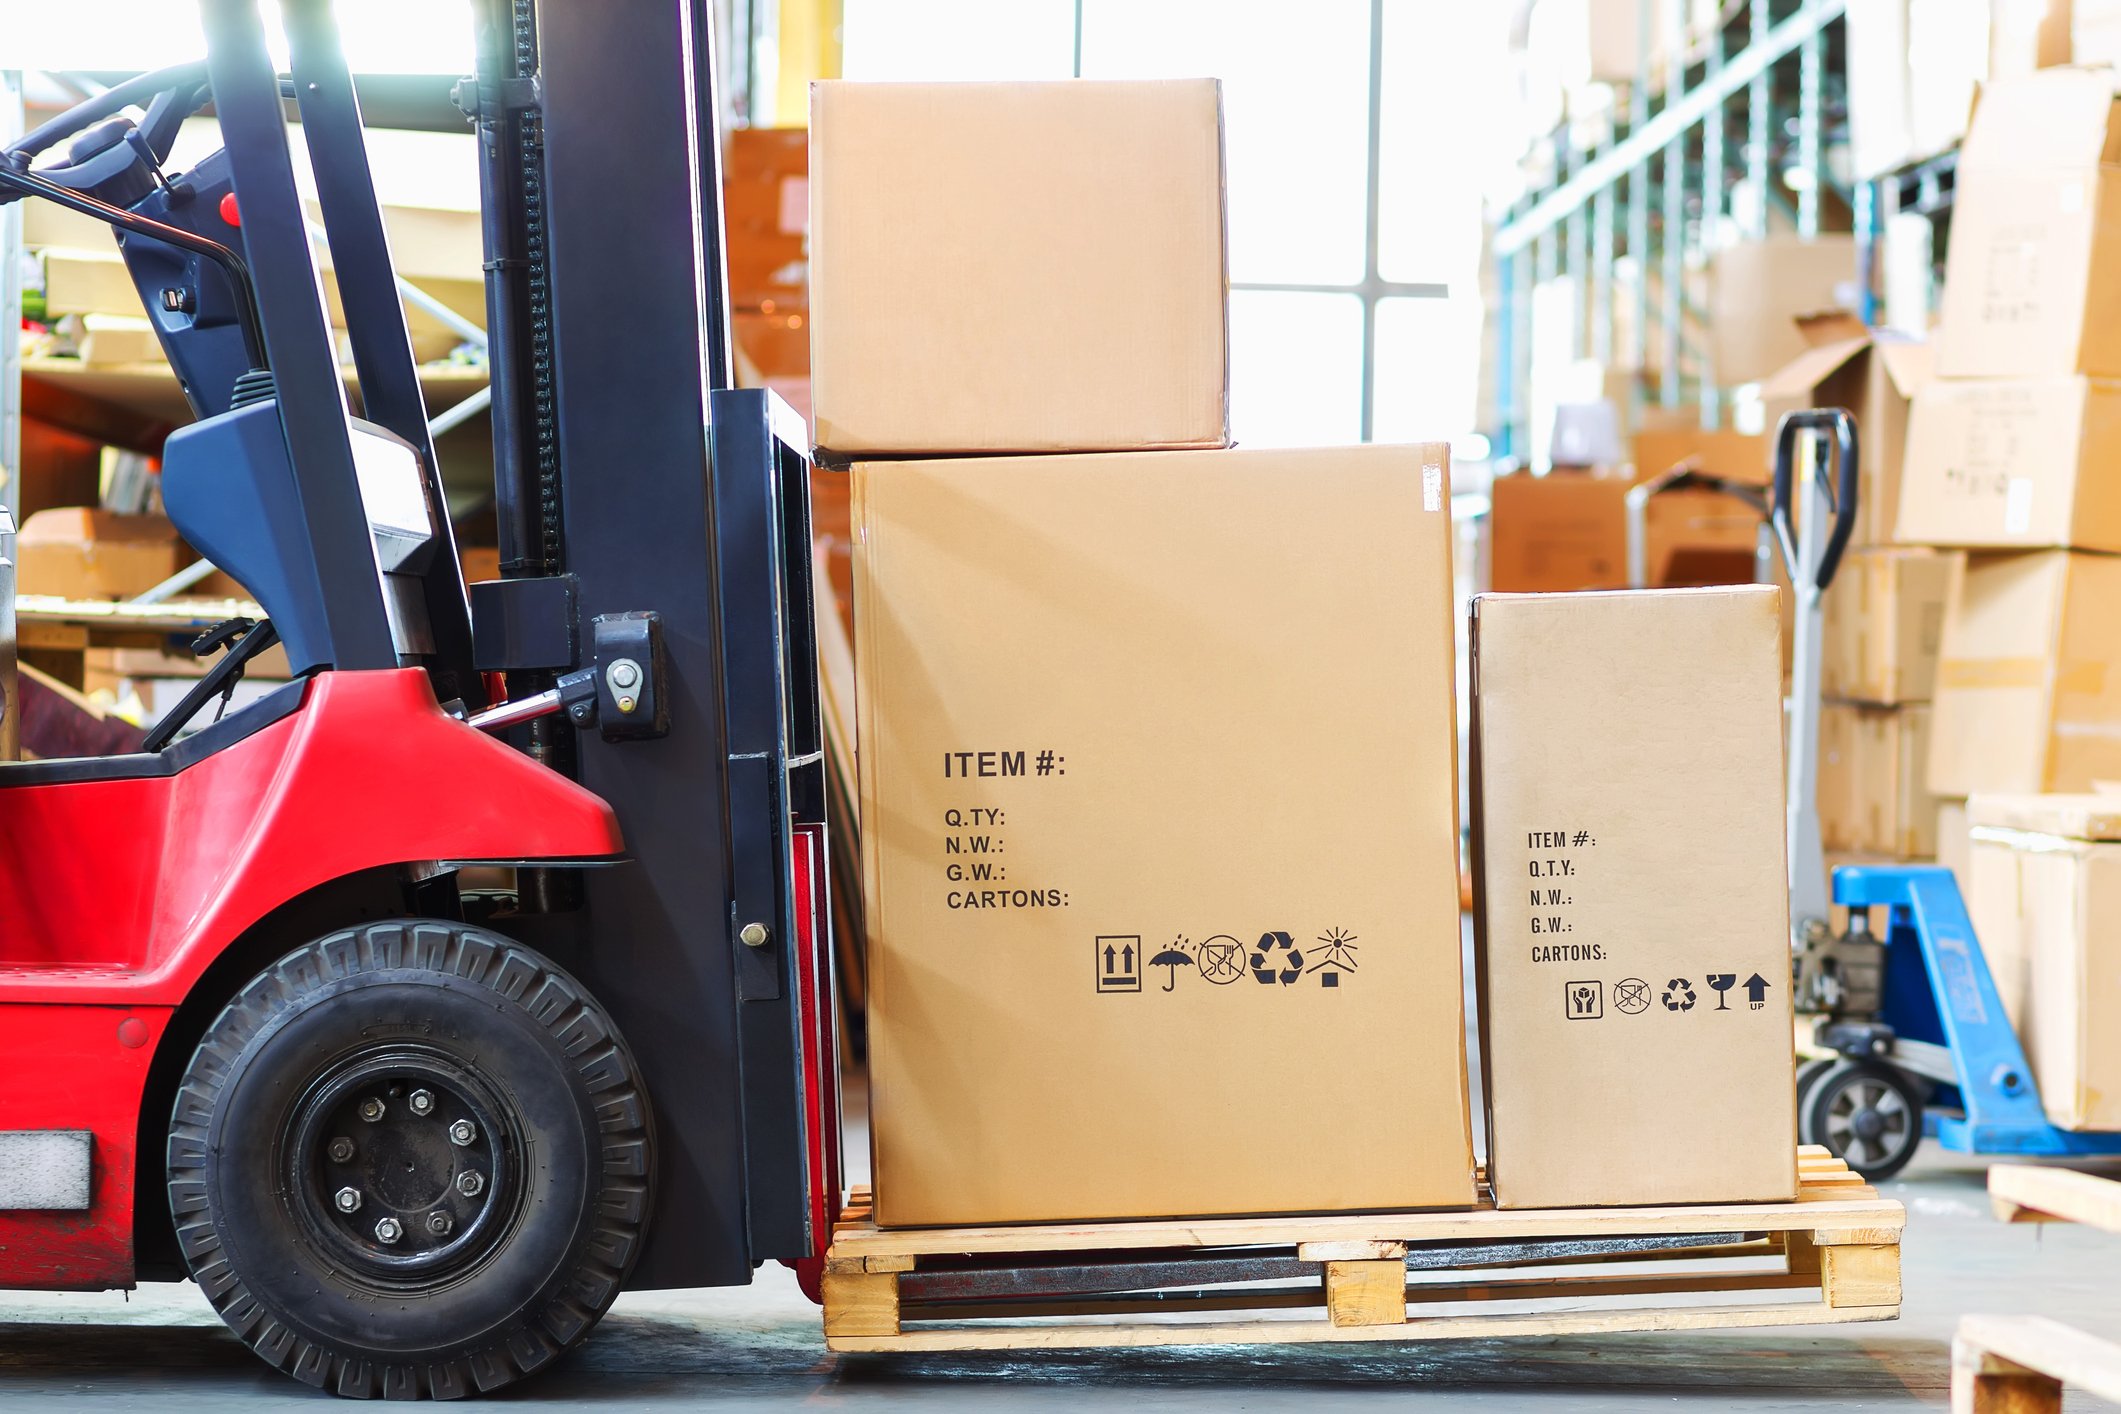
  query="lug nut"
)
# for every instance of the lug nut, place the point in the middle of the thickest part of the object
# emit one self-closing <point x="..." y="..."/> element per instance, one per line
<point x="462" y="1132"/>
<point x="387" y="1230"/>
<point x="438" y="1223"/>
<point x="348" y="1199"/>
<point x="470" y="1184"/>
<point x="422" y="1102"/>
<point x="342" y="1150"/>
<point x="371" y="1109"/>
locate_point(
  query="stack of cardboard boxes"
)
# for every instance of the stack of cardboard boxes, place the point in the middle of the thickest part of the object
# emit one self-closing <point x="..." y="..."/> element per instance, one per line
<point x="2011" y="448"/>
<point x="1157" y="758"/>
<point x="1157" y="739"/>
<point x="1884" y="613"/>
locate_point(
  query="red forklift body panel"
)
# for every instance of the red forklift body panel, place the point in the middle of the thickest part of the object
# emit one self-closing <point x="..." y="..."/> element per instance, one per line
<point x="120" y="893"/>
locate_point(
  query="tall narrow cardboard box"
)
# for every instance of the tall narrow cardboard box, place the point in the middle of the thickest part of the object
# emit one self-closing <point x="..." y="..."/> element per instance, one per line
<point x="1632" y="907"/>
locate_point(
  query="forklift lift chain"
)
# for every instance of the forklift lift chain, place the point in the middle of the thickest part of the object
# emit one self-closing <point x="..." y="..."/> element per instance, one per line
<point x="411" y="1159"/>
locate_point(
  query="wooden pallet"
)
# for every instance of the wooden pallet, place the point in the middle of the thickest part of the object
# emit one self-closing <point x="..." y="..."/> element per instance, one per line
<point x="2019" y="1364"/>
<point x="1402" y="1276"/>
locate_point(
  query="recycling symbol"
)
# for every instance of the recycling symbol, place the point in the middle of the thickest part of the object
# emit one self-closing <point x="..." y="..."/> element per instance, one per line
<point x="1276" y="959"/>
<point x="1679" y="995"/>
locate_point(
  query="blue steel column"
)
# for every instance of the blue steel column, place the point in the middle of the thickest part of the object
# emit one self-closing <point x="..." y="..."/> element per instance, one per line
<point x="298" y="339"/>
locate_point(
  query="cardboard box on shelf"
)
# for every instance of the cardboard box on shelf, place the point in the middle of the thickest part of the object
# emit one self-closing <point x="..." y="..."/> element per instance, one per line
<point x="2034" y="264"/>
<point x="75" y="552"/>
<point x="1741" y="456"/>
<point x="1107" y="964"/>
<point x="1874" y="795"/>
<point x="1873" y="375"/>
<point x="1568" y="531"/>
<point x="1758" y="288"/>
<point x="1017" y="267"/>
<point x="1631" y="905"/>
<point x="1885" y="624"/>
<point x="2028" y="684"/>
<point x="2044" y="892"/>
<point x="2013" y="463"/>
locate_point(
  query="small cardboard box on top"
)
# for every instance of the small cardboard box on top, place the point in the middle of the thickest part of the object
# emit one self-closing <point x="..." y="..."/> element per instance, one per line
<point x="1017" y="267"/>
<point x="1757" y="289"/>
<point x="2032" y="281"/>
<point x="1160" y="835"/>
<point x="2043" y="885"/>
<point x="2028" y="676"/>
<point x="1631" y="904"/>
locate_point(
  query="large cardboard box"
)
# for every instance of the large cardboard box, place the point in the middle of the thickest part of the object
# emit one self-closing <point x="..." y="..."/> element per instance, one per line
<point x="1631" y="905"/>
<point x="1017" y="267"/>
<point x="1873" y="794"/>
<point x="1722" y="451"/>
<point x="1873" y="375"/>
<point x="1160" y="835"/>
<point x="2028" y="682"/>
<point x="2032" y="284"/>
<point x="1569" y="531"/>
<point x="2044" y="891"/>
<point x="2014" y="463"/>
<point x="76" y="552"/>
<point x="1884" y="624"/>
<point x="1758" y="288"/>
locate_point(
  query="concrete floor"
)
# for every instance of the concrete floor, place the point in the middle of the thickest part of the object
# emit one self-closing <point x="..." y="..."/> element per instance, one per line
<point x="164" y="1349"/>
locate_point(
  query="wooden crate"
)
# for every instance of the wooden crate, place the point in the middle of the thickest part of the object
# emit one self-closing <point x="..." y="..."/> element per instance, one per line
<point x="1832" y="1255"/>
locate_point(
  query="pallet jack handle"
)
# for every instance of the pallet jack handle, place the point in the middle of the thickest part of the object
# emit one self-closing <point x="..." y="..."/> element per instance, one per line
<point x="1812" y="538"/>
<point x="1840" y="491"/>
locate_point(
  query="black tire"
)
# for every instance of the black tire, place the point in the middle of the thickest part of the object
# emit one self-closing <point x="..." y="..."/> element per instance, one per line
<point x="1808" y="1073"/>
<point x="1865" y="1113"/>
<point x="397" y="1061"/>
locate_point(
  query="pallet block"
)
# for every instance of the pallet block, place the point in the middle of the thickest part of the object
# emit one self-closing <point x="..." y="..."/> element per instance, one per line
<point x="1057" y="1286"/>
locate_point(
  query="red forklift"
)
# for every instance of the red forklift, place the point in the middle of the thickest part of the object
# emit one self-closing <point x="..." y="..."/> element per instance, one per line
<point x="411" y="1137"/>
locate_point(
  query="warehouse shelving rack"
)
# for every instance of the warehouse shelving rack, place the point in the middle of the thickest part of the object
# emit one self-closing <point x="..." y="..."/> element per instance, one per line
<point x="1759" y="84"/>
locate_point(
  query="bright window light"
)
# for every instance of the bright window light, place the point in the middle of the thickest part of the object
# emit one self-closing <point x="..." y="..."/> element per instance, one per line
<point x="943" y="40"/>
<point x="380" y="36"/>
<point x="1295" y="369"/>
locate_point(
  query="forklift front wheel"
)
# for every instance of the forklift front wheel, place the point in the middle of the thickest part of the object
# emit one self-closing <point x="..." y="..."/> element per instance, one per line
<point x="1866" y="1113"/>
<point x="1808" y="1073"/>
<point x="411" y="1160"/>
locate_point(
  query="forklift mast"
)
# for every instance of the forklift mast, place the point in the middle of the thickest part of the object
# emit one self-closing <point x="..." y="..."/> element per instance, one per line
<point x="630" y="477"/>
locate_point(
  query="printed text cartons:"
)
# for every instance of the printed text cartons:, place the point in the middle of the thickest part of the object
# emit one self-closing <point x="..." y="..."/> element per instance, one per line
<point x="1632" y="907"/>
<point x="1159" y="835"/>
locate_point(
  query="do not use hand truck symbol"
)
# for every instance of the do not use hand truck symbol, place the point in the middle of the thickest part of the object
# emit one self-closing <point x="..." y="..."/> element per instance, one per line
<point x="1276" y="958"/>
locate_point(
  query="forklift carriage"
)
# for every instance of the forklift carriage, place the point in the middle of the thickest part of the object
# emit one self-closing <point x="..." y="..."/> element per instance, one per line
<point x="413" y="1139"/>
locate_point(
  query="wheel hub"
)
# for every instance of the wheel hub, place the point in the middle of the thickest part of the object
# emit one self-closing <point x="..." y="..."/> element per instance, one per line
<point x="403" y="1163"/>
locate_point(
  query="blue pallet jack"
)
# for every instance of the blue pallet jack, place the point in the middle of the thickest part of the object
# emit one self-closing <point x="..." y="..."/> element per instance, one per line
<point x="1917" y="1040"/>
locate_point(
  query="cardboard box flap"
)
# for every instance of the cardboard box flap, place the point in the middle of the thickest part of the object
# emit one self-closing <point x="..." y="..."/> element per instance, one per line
<point x="1802" y="374"/>
<point x="2076" y="817"/>
<point x="1909" y="363"/>
<point x="2053" y="118"/>
<point x="1831" y="326"/>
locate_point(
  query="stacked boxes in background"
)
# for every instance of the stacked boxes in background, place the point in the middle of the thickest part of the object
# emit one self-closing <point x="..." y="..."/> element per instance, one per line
<point x="1156" y="746"/>
<point x="2010" y="447"/>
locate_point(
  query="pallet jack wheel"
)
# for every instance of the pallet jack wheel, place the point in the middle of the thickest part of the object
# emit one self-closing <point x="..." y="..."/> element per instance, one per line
<point x="1808" y="1073"/>
<point x="1866" y="1113"/>
<point x="412" y="1159"/>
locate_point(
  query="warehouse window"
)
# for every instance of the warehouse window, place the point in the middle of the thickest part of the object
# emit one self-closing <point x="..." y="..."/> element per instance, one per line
<point x="1354" y="200"/>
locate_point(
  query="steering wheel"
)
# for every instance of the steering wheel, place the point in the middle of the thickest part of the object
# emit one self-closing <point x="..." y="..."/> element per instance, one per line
<point x="171" y="95"/>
